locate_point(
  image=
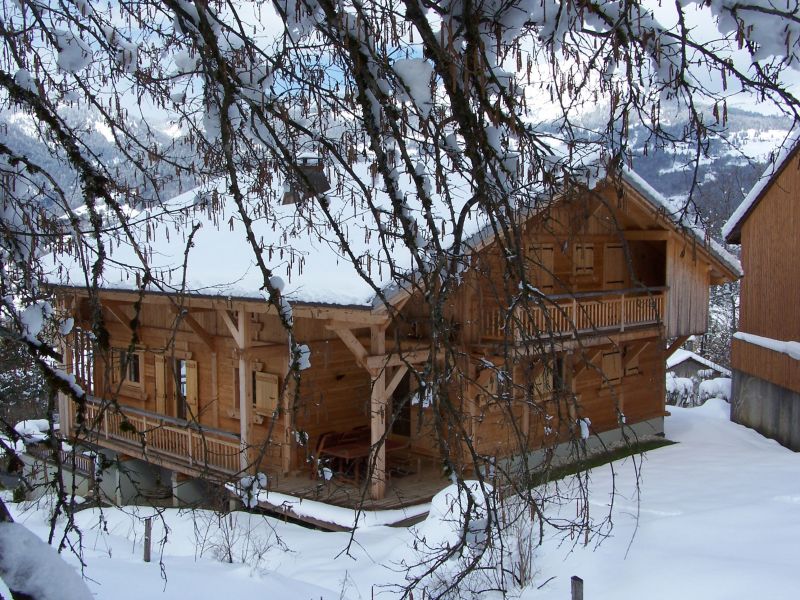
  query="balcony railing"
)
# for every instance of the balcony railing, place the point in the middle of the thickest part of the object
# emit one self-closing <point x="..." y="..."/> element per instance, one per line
<point x="158" y="435"/>
<point x="579" y="313"/>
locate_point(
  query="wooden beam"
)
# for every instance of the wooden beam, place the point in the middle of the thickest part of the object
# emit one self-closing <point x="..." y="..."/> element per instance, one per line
<point x="679" y="341"/>
<point x="397" y="359"/>
<point x="588" y="358"/>
<point x="119" y="314"/>
<point x="634" y="354"/>
<point x="198" y="329"/>
<point x="636" y="235"/>
<point x="395" y="381"/>
<point x="236" y="333"/>
<point x="352" y="343"/>
<point x="245" y="388"/>
<point x="377" y="484"/>
<point x="214" y="390"/>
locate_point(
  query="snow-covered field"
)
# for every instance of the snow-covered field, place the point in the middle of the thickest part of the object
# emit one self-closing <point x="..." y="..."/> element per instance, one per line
<point x="718" y="518"/>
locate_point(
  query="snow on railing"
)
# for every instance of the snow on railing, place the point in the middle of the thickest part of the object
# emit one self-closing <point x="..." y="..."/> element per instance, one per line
<point x="576" y="313"/>
<point x="790" y="348"/>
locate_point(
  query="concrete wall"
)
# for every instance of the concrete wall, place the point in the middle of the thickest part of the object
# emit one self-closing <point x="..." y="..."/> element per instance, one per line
<point x="41" y="474"/>
<point x="569" y="452"/>
<point x="122" y="480"/>
<point x="770" y="409"/>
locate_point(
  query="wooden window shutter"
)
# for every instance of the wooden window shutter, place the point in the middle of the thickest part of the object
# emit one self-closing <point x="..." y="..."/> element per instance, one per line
<point x="161" y="385"/>
<point x="543" y="382"/>
<point x="583" y="259"/>
<point x="632" y="366"/>
<point x="266" y="393"/>
<point x="116" y="365"/>
<point x="191" y="389"/>
<point x="612" y="366"/>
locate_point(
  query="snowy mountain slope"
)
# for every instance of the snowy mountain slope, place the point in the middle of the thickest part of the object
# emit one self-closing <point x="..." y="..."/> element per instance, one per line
<point x="718" y="518"/>
<point x="21" y="133"/>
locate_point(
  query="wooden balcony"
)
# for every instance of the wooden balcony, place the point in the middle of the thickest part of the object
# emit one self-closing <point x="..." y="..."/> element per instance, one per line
<point x="575" y="314"/>
<point x="161" y="439"/>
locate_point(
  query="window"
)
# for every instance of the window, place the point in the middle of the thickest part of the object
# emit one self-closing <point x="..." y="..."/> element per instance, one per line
<point x="559" y="383"/>
<point x="583" y="259"/>
<point x="184" y="375"/>
<point x="179" y="382"/>
<point x="126" y="366"/>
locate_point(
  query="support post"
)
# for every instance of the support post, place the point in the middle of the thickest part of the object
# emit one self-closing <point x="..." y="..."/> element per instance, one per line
<point x="65" y="401"/>
<point x="245" y="390"/>
<point x="577" y="588"/>
<point x="378" y="417"/>
<point x="148" y="538"/>
<point x="214" y="390"/>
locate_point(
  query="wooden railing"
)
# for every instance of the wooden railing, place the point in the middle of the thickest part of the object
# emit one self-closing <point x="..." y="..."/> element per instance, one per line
<point x="69" y="459"/>
<point x="579" y="313"/>
<point x="156" y="434"/>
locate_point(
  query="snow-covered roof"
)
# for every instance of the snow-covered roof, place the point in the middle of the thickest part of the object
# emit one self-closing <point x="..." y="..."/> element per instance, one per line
<point x="296" y="241"/>
<point x="732" y="228"/>
<point x="681" y="355"/>
<point x="671" y="210"/>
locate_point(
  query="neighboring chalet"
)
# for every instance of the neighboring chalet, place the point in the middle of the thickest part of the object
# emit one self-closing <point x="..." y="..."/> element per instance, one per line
<point x="765" y="353"/>
<point x="201" y="389"/>
<point x="690" y="365"/>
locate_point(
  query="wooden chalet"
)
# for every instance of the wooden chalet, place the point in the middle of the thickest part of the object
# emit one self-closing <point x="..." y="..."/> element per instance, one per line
<point x="203" y="391"/>
<point x="687" y="364"/>
<point x="765" y="352"/>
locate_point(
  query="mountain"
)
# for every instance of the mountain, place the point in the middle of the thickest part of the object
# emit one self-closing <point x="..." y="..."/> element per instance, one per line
<point x="729" y="166"/>
<point x="129" y="165"/>
<point x="730" y="162"/>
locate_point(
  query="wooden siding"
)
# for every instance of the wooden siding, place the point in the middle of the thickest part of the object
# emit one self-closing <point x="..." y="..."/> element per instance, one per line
<point x="688" y="278"/>
<point x="771" y="283"/>
<point x="503" y="427"/>
<point x="770" y="249"/>
<point x="775" y="367"/>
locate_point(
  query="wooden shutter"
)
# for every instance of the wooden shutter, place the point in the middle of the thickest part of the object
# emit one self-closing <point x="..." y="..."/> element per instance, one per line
<point x="612" y="366"/>
<point x="583" y="259"/>
<point x="543" y="382"/>
<point x="116" y="365"/>
<point x="161" y="385"/>
<point x="191" y="390"/>
<point x="266" y="393"/>
<point x="632" y="366"/>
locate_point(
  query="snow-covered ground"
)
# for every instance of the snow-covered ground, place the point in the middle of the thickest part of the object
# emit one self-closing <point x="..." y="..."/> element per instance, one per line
<point x="719" y="517"/>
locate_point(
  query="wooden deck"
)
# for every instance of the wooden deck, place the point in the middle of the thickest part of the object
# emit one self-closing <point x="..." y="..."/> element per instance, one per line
<point x="402" y="490"/>
<point x="214" y="455"/>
